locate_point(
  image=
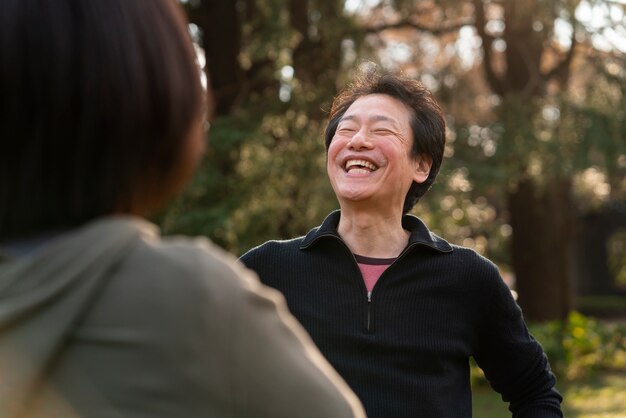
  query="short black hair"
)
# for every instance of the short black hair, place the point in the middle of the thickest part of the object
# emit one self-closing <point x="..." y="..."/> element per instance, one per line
<point x="97" y="100"/>
<point x="427" y="120"/>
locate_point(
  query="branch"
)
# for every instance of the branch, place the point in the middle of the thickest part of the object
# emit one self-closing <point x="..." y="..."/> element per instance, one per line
<point x="408" y="23"/>
<point x="495" y="82"/>
<point x="562" y="69"/>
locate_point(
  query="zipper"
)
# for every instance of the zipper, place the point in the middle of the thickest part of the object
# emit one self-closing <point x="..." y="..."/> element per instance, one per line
<point x="369" y="294"/>
<point x="369" y="303"/>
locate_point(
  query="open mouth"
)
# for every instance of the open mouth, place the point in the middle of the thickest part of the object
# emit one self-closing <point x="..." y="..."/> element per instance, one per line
<point x="360" y="166"/>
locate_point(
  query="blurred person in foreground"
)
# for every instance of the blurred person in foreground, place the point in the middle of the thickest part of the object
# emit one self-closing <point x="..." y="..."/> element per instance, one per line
<point x="101" y="122"/>
<point x="397" y="310"/>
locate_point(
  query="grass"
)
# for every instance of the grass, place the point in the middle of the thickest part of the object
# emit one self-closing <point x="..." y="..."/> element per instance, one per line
<point x="599" y="396"/>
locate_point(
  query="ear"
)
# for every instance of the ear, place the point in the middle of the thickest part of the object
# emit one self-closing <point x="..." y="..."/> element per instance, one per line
<point x="423" y="163"/>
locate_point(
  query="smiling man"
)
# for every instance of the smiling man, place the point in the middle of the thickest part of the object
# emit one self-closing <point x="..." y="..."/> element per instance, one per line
<point x="397" y="310"/>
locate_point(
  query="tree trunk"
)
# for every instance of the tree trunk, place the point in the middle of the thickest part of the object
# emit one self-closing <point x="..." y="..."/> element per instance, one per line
<point x="592" y="272"/>
<point x="524" y="48"/>
<point x="221" y="39"/>
<point x="542" y="218"/>
<point x="316" y="58"/>
<point x="542" y="222"/>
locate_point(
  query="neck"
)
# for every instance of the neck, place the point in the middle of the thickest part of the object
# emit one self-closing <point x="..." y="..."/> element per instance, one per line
<point x="373" y="234"/>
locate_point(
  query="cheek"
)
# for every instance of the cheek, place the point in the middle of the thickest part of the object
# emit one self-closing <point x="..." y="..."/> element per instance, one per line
<point x="332" y="157"/>
<point x="330" y="163"/>
<point x="336" y="145"/>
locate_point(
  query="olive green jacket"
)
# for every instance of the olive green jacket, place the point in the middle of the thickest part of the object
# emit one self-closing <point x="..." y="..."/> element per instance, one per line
<point x="111" y="320"/>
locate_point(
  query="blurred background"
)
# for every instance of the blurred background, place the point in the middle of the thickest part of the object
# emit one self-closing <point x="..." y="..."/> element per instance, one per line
<point x="534" y="172"/>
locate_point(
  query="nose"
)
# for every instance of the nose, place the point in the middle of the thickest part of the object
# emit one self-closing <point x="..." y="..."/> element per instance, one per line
<point x="360" y="141"/>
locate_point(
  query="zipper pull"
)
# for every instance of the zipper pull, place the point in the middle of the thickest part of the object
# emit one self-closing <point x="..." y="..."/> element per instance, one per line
<point x="369" y="297"/>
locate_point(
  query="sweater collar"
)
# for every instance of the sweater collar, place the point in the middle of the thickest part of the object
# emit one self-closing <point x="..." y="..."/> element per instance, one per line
<point x="419" y="233"/>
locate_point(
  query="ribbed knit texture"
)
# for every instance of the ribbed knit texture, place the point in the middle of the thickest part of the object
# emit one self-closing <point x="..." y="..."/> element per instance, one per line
<point x="406" y="352"/>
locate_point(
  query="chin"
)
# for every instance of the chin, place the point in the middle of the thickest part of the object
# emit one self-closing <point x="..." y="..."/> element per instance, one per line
<point x="353" y="198"/>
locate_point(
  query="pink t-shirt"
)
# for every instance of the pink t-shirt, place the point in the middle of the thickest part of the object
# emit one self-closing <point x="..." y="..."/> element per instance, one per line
<point x="372" y="268"/>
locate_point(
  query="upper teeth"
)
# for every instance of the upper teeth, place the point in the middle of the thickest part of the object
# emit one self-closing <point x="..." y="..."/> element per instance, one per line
<point x="361" y="163"/>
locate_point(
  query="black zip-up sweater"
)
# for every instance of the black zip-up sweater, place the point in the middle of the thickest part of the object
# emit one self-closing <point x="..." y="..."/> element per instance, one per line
<point x="405" y="350"/>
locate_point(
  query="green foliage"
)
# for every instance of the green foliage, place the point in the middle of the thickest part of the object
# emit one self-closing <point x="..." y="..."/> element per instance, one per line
<point x="583" y="345"/>
<point x="264" y="174"/>
<point x="251" y="187"/>
<point x="579" y="347"/>
<point x="206" y="205"/>
<point x="616" y="248"/>
<point x="280" y="204"/>
<point x="453" y="210"/>
<point x="599" y="396"/>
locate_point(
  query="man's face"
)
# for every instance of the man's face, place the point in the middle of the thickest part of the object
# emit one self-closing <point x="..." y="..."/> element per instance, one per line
<point x="369" y="157"/>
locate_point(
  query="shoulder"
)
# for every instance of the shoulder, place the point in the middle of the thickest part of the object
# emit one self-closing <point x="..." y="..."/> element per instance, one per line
<point x="273" y="250"/>
<point x="184" y="262"/>
<point x="484" y="276"/>
<point x="470" y="261"/>
<point x="178" y="291"/>
<point x="468" y="271"/>
<point x="176" y="280"/>
<point x="471" y="257"/>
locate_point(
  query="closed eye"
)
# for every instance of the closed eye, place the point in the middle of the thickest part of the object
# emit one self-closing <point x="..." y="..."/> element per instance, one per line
<point x="383" y="132"/>
<point x="346" y="128"/>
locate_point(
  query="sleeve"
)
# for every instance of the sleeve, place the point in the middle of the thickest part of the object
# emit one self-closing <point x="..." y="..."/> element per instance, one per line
<point x="513" y="361"/>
